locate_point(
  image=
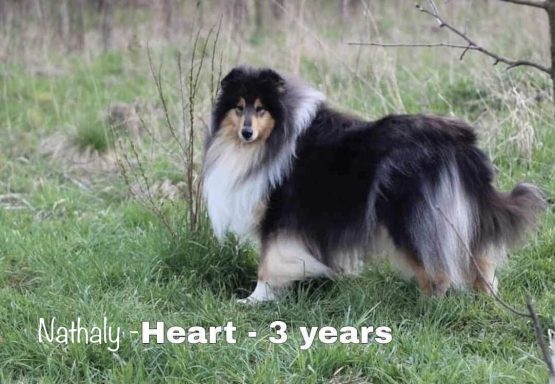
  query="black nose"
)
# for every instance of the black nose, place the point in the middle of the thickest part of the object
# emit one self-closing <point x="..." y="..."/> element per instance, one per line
<point x="246" y="133"/>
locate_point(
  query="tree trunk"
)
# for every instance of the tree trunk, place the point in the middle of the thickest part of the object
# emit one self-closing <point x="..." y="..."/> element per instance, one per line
<point x="168" y="9"/>
<point x="76" y="25"/>
<point x="278" y="9"/>
<point x="344" y="10"/>
<point x="239" y="14"/>
<point x="550" y="9"/>
<point x="106" y="9"/>
<point x="3" y="15"/>
<point x="259" y="14"/>
<point x="62" y="20"/>
<point x="200" y="13"/>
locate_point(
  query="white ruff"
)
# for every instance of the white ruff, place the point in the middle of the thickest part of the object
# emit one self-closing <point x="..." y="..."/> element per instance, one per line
<point x="231" y="203"/>
<point x="235" y="203"/>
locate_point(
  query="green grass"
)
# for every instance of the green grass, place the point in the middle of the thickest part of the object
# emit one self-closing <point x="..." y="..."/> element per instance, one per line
<point x="76" y="244"/>
<point x="95" y="135"/>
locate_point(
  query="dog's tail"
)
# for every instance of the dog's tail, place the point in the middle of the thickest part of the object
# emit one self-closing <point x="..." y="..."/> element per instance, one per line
<point x="506" y="217"/>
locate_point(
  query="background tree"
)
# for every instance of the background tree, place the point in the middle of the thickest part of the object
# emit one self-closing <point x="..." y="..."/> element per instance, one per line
<point x="106" y="26"/>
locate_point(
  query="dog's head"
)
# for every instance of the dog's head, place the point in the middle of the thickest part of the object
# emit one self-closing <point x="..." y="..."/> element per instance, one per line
<point x="248" y="108"/>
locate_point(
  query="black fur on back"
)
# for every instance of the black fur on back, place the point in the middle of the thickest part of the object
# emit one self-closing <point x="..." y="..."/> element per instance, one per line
<point x="350" y="177"/>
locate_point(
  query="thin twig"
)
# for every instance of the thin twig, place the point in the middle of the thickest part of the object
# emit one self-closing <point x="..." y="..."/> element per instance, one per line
<point x="157" y="76"/>
<point x="539" y="336"/>
<point x="468" y="48"/>
<point x="214" y="87"/>
<point x="465" y="47"/>
<point x="551" y="336"/>
<point x="151" y="206"/>
<point x="150" y="133"/>
<point x="187" y="164"/>
<point x="387" y="45"/>
<point x="435" y="12"/>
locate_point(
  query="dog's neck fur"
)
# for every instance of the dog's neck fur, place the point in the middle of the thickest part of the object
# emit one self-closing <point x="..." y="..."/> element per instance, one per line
<point x="236" y="191"/>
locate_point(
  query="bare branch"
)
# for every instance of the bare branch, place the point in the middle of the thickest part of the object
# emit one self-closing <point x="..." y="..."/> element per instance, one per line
<point x="537" y="4"/>
<point x="434" y="12"/>
<point x="470" y="46"/>
<point x="465" y="47"/>
<point x="386" y="45"/>
<point x="473" y="45"/>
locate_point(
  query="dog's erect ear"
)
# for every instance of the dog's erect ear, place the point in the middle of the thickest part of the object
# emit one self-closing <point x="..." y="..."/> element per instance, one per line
<point x="272" y="77"/>
<point x="231" y="77"/>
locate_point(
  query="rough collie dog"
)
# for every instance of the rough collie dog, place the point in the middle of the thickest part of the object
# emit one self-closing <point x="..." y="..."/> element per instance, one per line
<point x="320" y="191"/>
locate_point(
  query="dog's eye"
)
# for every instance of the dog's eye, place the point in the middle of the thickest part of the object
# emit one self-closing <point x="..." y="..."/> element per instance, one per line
<point x="239" y="109"/>
<point x="260" y="109"/>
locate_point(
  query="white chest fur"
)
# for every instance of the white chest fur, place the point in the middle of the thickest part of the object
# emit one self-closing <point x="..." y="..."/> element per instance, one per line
<point x="233" y="202"/>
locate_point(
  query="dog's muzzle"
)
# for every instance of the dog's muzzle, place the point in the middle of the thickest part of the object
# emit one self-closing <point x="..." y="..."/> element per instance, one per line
<point x="247" y="134"/>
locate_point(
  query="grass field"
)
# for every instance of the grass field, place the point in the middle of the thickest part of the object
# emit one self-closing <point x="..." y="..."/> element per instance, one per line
<point x="79" y="240"/>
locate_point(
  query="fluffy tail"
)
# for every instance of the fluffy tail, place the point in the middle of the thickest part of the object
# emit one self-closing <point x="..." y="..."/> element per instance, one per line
<point x="512" y="214"/>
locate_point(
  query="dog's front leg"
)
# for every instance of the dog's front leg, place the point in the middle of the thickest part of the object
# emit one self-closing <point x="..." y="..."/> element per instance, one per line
<point x="284" y="259"/>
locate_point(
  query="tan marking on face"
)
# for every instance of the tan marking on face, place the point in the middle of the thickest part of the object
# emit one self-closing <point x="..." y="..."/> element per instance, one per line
<point x="262" y="122"/>
<point x="233" y="121"/>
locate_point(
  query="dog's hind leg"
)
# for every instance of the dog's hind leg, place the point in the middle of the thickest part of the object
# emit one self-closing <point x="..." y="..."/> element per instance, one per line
<point x="432" y="285"/>
<point x="285" y="259"/>
<point x="440" y="227"/>
<point x="484" y="265"/>
<point x="435" y="284"/>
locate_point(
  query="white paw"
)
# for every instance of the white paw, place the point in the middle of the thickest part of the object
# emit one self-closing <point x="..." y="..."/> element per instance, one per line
<point x="263" y="292"/>
<point x="248" y="301"/>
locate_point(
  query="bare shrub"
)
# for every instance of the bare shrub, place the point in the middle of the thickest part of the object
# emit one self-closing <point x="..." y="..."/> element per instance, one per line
<point x="198" y="74"/>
